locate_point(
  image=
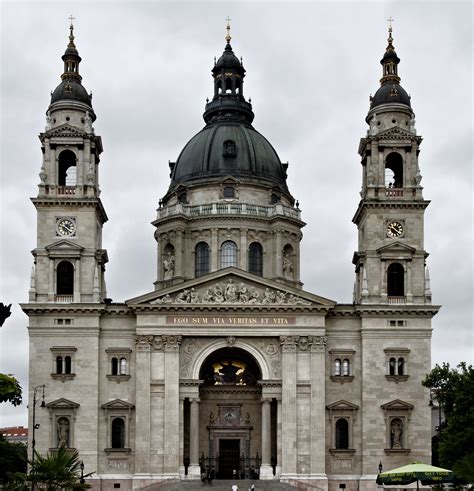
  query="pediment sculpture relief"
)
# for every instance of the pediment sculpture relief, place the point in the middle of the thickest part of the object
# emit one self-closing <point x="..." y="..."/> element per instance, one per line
<point x="230" y="292"/>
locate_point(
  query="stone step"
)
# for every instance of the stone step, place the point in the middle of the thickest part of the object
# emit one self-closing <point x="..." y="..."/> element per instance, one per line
<point x="222" y="485"/>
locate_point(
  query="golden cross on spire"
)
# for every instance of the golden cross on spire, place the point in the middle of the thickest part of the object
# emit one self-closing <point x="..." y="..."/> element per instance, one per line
<point x="390" y="20"/>
<point x="71" y="18"/>
<point x="228" y="37"/>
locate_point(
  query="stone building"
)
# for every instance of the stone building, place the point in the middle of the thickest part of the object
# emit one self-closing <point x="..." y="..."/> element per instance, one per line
<point x="228" y="364"/>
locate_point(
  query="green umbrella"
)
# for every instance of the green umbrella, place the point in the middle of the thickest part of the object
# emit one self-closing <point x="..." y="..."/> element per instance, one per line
<point x="427" y="474"/>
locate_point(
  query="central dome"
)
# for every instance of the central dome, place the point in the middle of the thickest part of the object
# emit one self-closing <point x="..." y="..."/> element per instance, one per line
<point x="228" y="145"/>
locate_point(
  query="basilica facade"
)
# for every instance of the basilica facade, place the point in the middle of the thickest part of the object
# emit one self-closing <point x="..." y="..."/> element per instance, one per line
<point x="228" y="366"/>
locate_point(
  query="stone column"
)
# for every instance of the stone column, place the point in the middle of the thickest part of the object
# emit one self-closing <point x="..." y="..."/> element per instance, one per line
<point x="214" y="251"/>
<point x="243" y="250"/>
<point x="278" y="255"/>
<point x="194" y="468"/>
<point x="51" y="272"/>
<point x="266" y="471"/>
<point x="408" y="283"/>
<point x="178" y="267"/>
<point x="288" y="436"/>
<point x="171" y="406"/>
<point x="318" y="409"/>
<point x="77" y="281"/>
<point x="278" y="466"/>
<point x="142" y="413"/>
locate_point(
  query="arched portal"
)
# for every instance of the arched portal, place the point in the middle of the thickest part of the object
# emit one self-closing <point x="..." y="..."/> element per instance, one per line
<point x="228" y="415"/>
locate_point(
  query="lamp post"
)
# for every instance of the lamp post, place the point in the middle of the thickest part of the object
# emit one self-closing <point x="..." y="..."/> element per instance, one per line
<point x="380" y="467"/>
<point x="36" y="425"/>
<point x="82" y="481"/>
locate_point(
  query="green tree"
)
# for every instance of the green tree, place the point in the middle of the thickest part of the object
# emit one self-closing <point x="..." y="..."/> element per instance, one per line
<point x="454" y="391"/>
<point x="12" y="458"/>
<point x="10" y="390"/>
<point x="56" y="471"/>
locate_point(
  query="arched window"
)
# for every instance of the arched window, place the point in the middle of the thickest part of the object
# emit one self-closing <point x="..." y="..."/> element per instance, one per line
<point x="59" y="365"/>
<point x="118" y="433"/>
<point x="67" y="364"/>
<point x="114" y="366"/>
<point x="228" y="85"/>
<point x="123" y="366"/>
<point x="229" y="192"/>
<point x="345" y="367"/>
<point x="342" y="433"/>
<point x="256" y="259"/>
<point x="400" y="366"/>
<point x="65" y="278"/>
<point x="228" y="254"/>
<point x="392" y="365"/>
<point x="201" y="259"/>
<point x="395" y="280"/>
<point x="67" y="168"/>
<point x="337" y="367"/>
<point x="394" y="170"/>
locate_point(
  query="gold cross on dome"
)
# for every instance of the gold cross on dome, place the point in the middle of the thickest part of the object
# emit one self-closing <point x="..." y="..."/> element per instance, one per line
<point x="390" y="20"/>
<point x="71" y="18"/>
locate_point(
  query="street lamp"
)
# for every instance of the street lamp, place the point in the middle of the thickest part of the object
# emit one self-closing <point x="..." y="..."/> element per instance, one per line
<point x="82" y="481"/>
<point x="380" y="467"/>
<point x="36" y="425"/>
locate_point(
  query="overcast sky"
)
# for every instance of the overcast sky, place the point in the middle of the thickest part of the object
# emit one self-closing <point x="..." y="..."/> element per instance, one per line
<point x="310" y="69"/>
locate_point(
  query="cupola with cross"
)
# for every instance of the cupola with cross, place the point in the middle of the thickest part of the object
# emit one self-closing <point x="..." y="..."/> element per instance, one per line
<point x="228" y="199"/>
<point x="69" y="259"/>
<point x="390" y="261"/>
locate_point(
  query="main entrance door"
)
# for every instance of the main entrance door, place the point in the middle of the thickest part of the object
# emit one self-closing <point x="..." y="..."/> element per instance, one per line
<point x="229" y="458"/>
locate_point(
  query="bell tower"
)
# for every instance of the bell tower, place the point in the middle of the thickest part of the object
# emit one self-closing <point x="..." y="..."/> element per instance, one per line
<point x="390" y="261"/>
<point x="69" y="260"/>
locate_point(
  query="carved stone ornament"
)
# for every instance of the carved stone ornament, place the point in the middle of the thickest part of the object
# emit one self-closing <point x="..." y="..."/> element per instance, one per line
<point x="158" y="343"/>
<point x="318" y="343"/>
<point x="230" y="341"/>
<point x="171" y="342"/>
<point x="288" y="343"/>
<point x="143" y="343"/>
<point x="303" y="343"/>
<point x="233" y="293"/>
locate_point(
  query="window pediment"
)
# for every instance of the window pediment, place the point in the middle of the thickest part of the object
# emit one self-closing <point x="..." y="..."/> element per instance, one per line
<point x="62" y="404"/>
<point x="397" y="405"/>
<point x="118" y="404"/>
<point x="396" y="250"/>
<point x="62" y="246"/>
<point x="65" y="130"/>
<point x="342" y="405"/>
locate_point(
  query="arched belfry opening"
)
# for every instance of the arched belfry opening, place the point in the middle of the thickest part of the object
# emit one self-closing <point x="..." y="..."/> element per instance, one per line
<point x="230" y="416"/>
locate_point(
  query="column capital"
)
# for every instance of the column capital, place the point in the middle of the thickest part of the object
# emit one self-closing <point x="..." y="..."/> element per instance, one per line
<point x="288" y="343"/>
<point x="171" y="342"/>
<point x="318" y="343"/>
<point x="265" y="400"/>
<point x="143" y="342"/>
<point x="194" y="400"/>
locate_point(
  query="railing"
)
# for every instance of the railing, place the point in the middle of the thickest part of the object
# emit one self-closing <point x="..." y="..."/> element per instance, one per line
<point x="229" y="209"/>
<point x="394" y="192"/>
<point x="64" y="298"/>
<point x="397" y="300"/>
<point x="66" y="189"/>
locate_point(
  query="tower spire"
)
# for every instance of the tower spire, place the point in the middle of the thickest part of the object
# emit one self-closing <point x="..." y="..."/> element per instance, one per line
<point x="71" y="57"/>
<point x="390" y="59"/>
<point x="228" y="36"/>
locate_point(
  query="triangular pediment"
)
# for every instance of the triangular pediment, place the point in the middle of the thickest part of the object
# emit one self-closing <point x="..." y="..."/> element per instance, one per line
<point x="395" y="133"/>
<point x="230" y="180"/>
<point x="396" y="248"/>
<point x="397" y="405"/>
<point x="342" y="405"/>
<point x="117" y="404"/>
<point x="64" y="245"/>
<point x="65" y="130"/>
<point x="62" y="404"/>
<point x="232" y="286"/>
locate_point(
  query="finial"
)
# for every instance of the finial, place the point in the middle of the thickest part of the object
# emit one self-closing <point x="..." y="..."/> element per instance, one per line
<point x="71" y="29"/>
<point x="390" y="39"/>
<point x="228" y="37"/>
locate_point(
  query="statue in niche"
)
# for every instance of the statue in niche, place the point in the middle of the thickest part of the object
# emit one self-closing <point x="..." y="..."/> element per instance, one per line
<point x="287" y="266"/>
<point x="62" y="426"/>
<point x="168" y="266"/>
<point x="48" y="121"/>
<point x="374" y="122"/>
<point x="88" y="123"/>
<point x="396" y="432"/>
<point x="412" y="125"/>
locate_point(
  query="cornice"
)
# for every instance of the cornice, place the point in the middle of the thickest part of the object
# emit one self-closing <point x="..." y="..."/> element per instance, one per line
<point x="74" y="308"/>
<point x="235" y="308"/>
<point x="388" y="203"/>
<point x="72" y="201"/>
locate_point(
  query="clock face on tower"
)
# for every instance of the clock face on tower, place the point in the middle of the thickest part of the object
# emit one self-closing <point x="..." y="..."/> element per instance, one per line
<point x="65" y="227"/>
<point x="394" y="229"/>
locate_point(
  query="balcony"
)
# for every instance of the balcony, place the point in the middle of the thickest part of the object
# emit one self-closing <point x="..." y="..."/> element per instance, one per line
<point x="394" y="192"/>
<point x="241" y="209"/>
<point x="397" y="300"/>
<point x="63" y="298"/>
